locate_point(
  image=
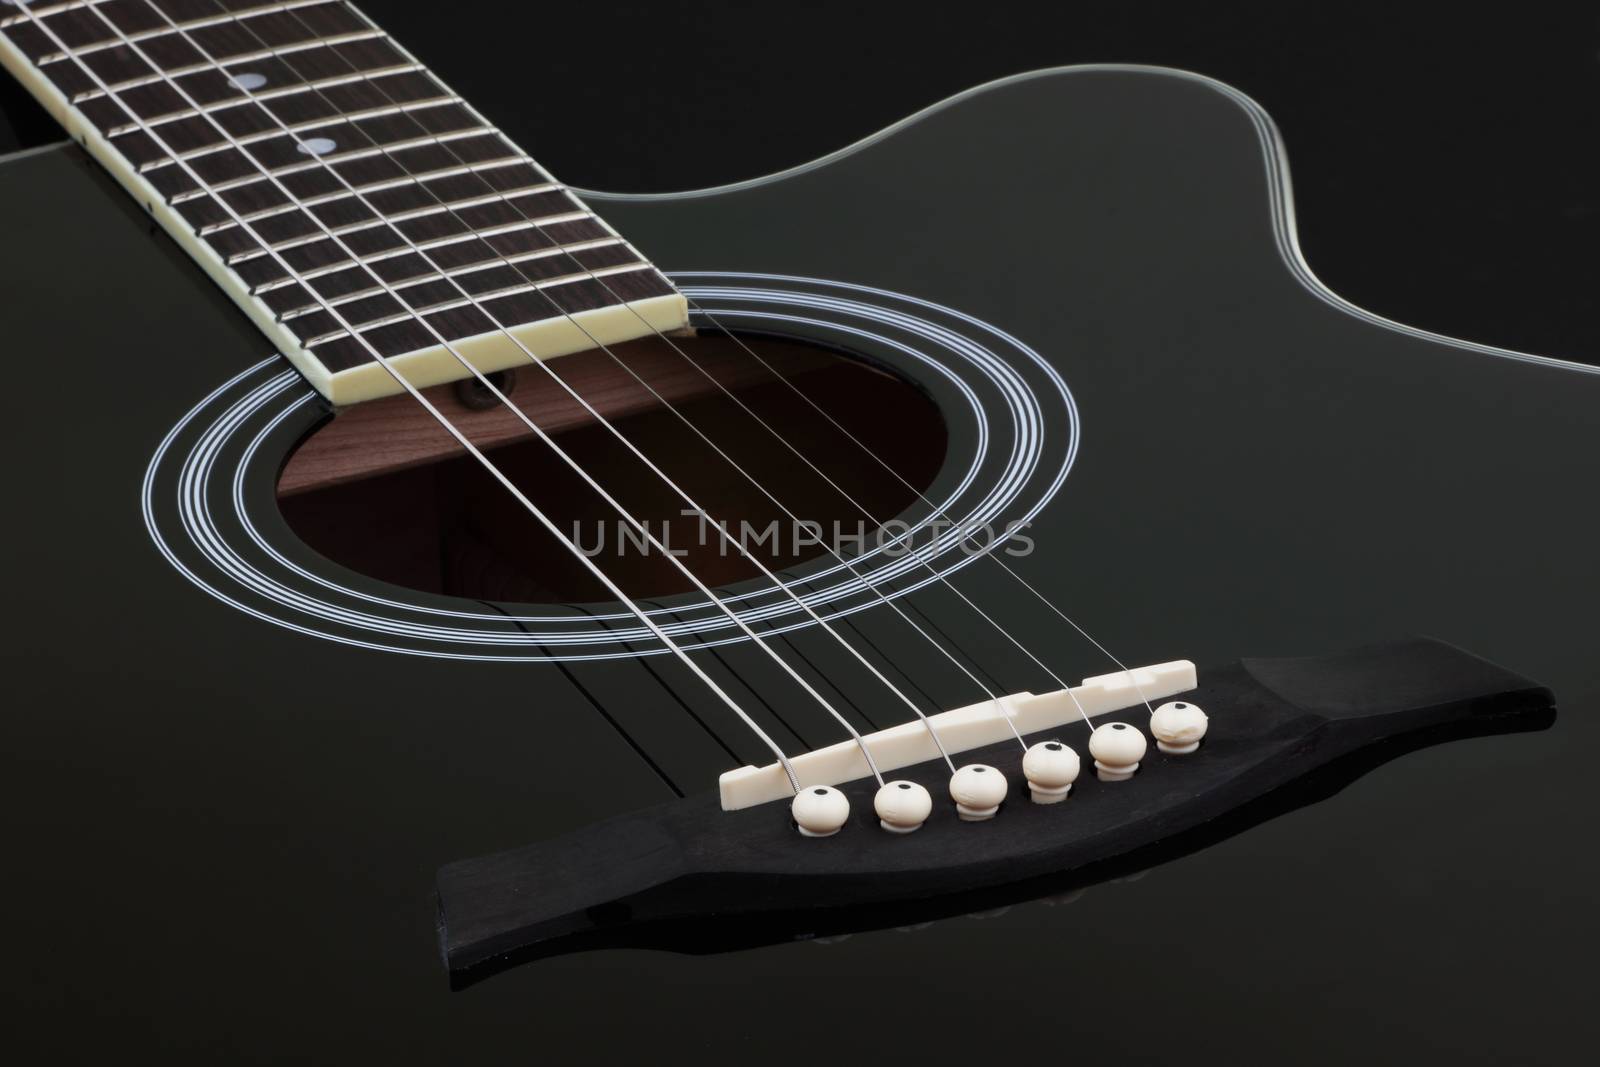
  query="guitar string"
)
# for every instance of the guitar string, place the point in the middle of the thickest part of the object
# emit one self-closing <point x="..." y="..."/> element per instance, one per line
<point x="903" y="481"/>
<point x="655" y="469"/>
<point x="427" y="405"/>
<point x="899" y="693"/>
<point x="660" y="335"/>
<point x="692" y="426"/>
<point x="599" y="280"/>
<point x="766" y="572"/>
<point x="603" y="622"/>
<point x="890" y="603"/>
<point x="640" y="527"/>
<point x="722" y="532"/>
<point x="945" y="580"/>
<point x="821" y="700"/>
<point x="916" y="555"/>
<point x="600" y="708"/>
<point x="720" y="655"/>
<point x="561" y="453"/>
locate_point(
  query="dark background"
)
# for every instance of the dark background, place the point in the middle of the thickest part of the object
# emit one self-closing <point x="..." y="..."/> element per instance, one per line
<point x="1445" y="166"/>
<point x="1446" y="159"/>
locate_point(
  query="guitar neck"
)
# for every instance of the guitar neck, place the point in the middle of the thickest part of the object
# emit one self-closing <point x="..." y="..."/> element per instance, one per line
<point x="338" y="191"/>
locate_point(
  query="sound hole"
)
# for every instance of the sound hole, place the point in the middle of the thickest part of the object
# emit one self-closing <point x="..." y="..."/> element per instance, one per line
<point x="382" y="489"/>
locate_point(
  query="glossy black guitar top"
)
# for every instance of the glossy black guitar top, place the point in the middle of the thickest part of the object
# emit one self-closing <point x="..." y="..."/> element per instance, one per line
<point x="234" y="765"/>
<point x="691" y="876"/>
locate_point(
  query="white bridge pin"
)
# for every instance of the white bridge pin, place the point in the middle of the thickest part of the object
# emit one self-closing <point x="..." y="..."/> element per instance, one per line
<point x="1050" y="768"/>
<point x="977" y="790"/>
<point x="1117" y="749"/>
<point x="1178" y="726"/>
<point x="820" y="810"/>
<point x="902" y="806"/>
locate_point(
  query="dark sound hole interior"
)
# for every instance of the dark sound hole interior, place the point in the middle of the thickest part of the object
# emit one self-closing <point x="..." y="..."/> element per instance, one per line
<point x="381" y="489"/>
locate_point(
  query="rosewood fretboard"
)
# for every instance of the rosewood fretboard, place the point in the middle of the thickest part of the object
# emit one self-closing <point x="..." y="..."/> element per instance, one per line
<point x="321" y="174"/>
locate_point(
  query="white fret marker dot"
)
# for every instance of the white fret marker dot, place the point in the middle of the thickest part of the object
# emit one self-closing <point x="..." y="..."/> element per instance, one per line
<point x="248" y="80"/>
<point x="317" y="146"/>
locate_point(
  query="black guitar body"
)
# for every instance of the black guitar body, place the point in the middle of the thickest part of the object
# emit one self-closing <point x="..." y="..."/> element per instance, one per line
<point x="690" y="876"/>
<point x="233" y="768"/>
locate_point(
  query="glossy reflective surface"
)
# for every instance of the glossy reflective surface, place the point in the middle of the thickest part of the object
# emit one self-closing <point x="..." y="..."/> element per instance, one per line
<point x="224" y="833"/>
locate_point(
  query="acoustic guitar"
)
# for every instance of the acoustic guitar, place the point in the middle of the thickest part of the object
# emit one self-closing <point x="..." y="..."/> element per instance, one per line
<point x="456" y="616"/>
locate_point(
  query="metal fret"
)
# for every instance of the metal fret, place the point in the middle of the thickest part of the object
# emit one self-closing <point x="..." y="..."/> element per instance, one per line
<point x="355" y="103"/>
<point x="269" y="95"/>
<point x="387" y="218"/>
<point x="360" y="71"/>
<point x="401" y="250"/>
<point x="318" y="162"/>
<point x="330" y="233"/>
<point x="162" y="76"/>
<point x="262" y="201"/>
<point x="469" y="301"/>
<point x="419" y="246"/>
<point x="417" y="217"/>
<point x="414" y="179"/>
<point x="477" y="268"/>
<point x="196" y="24"/>
<point x="302" y="127"/>
<point x="46" y="10"/>
<point x="613" y="252"/>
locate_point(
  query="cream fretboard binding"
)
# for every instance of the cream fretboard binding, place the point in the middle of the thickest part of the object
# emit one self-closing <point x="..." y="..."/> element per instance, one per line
<point x="485" y="217"/>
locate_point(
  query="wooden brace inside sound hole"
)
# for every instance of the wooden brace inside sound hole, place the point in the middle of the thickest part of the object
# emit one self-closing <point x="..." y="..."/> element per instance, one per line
<point x="381" y="488"/>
